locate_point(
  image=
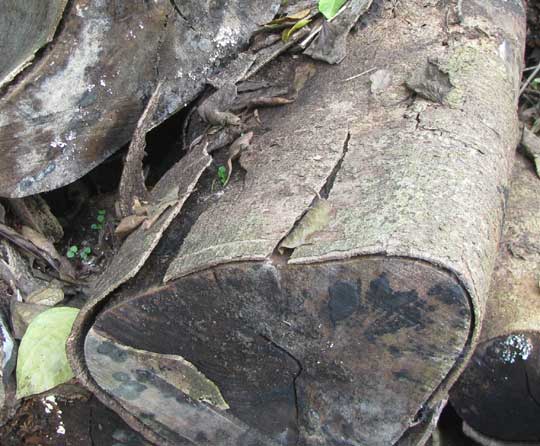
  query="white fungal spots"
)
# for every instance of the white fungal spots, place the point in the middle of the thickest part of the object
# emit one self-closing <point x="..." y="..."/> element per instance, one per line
<point x="102" y="83"/>
<point x="80" y="10"/>
<point x="516" y="347"/>
<point x="8" y="346"/>
<point x="58" y="143"/>
<point x="49" y="402"/>
<point x="51" y="406"/>
<point x="225" y="37"/>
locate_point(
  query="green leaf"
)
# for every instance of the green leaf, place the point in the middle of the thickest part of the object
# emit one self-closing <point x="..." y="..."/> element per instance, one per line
<point x="329" y="8"/>
<point x="94" y="226"/>
<point x="287" y="33"/>
<point x="72" y="251"/>
<point x="291" y="18"/>
<point x="101" y="212"/>
<point x="315" y="220"/>
<point x="100" y="218"/>
<point x="42" y="362"/>
<point x="85" y="253"/>
<point x="222" y="174"/>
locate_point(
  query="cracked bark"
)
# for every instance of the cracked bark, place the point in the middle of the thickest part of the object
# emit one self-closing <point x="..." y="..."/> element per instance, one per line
<point x="499" y="391"/>
<point x="382" y="308"/>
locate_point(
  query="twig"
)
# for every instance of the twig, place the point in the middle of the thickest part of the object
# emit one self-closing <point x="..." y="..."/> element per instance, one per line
<point x="529" y="79"/>
<point x="17" y="239"/>
<point x="359" y="75"/>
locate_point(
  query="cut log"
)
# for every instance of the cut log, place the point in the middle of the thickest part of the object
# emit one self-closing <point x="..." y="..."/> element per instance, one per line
<point x="355" y="336"/>
<point x="79" y="102"/>
<point x="498" y="395"/>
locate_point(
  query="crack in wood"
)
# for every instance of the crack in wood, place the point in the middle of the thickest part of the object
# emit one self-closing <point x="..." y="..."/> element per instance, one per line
<point x="295" y="378"/>
<point x="281" y="255"/>
<point x="329" y="184"/>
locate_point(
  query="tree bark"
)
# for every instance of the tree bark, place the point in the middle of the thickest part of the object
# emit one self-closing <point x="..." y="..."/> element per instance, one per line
<point x="498" y="395"/>
<point x="354" y="336"/>
<point x="80" y="100"/>
<point x="27" y="26"/>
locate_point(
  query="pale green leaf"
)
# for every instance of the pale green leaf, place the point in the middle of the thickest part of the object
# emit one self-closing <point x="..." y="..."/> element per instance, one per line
<point x="329" y="8"/>
<point x="287" y="33"/>
<point x="42" y="362"/>
<point x="316" y="219"/>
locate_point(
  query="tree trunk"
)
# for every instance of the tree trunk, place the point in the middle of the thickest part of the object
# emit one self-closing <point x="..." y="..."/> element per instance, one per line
<point x="353" y="333"/>
<point x="499" y="392"/>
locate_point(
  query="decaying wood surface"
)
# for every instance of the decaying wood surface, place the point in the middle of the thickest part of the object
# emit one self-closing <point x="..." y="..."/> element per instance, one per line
<point x="27" y="26"/>
<point x="498" y="395"/>
<point x="354" y="337"/>
<point x="80" y="100"/>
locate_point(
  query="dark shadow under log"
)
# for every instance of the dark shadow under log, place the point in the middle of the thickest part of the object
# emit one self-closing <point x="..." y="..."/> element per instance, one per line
<point x="498" y="395"/>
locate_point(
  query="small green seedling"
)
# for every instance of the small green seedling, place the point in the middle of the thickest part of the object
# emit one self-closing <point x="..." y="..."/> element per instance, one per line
<point x="100" y="220"/>
<point x="72" y="251"/>
<point x="222" y="175"/>
<point x="85" y="253"/>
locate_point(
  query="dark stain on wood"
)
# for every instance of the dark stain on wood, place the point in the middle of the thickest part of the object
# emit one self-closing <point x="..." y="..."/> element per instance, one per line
<point x="401" y="309"/>
<point x="344" y="300"/>
<point x="113" y="352"/>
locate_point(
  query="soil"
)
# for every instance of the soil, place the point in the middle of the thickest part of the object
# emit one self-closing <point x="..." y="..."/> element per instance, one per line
<point x="58" y="421"/>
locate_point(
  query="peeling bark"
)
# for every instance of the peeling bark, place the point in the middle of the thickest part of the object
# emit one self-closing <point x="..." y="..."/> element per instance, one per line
<point x="132" y="185"/>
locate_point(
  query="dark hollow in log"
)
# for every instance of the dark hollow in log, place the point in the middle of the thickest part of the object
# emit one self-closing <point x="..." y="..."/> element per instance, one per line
<point x="334" y="353"/>
<point x="498" y="395"/>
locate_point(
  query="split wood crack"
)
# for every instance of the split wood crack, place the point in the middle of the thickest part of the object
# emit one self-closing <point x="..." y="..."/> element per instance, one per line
<point x="315" y="218"/>
<point x="295" y="377"/>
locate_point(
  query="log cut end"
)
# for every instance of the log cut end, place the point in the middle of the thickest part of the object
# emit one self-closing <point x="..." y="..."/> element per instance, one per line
<point x="499" y="392"/>
<point x="341" y="352"/>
